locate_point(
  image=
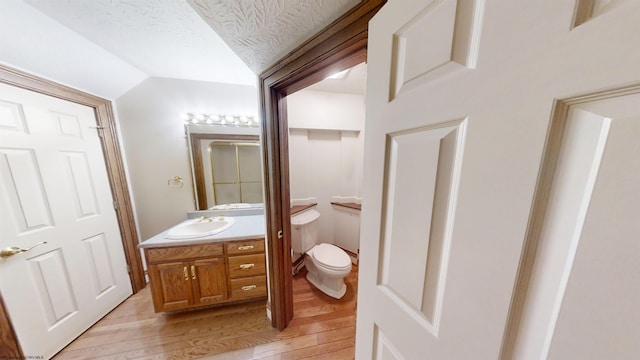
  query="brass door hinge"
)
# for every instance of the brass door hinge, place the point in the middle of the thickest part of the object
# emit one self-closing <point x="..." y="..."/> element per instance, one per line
<point x="100" y="130"/>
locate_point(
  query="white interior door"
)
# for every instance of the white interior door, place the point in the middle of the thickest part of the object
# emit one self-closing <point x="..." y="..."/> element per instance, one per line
<point x="54" y="189"/>
<point x="501" y="181"/>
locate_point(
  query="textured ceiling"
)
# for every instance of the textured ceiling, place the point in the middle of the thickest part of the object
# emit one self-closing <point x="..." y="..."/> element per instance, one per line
<point x="227" y="41"/>
<point x="263" y="31"/>
<point x="163" y="38"/>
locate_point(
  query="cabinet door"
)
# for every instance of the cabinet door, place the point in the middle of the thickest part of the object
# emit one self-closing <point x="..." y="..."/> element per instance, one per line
<point x="210" y="280"/>
<point x="171" y="286"/>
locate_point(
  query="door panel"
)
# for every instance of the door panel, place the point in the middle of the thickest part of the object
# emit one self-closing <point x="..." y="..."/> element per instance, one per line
<point x="81" y="184"/>
<point x="29" y="207"/>
<point x="421" y="184"/>
<point x="56" y="295"/>
<point x="102" y="271"/>
<point x="454" y="230"/>
<point x="432" y="39"/>
<point x="55" y="195"/>
<point x="583" y="234"/>
<point x="211" y="279"/>
<point x="175" y="285"/>
<point x="598" y="317"/>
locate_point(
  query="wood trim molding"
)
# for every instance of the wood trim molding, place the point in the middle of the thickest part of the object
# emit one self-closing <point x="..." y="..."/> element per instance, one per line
<point x="114" y="165"/>
<point x="582" y="12"/>
<point x="120" y="191"/>
<point x="198" y="167"/>
<point x="340" y="45"/>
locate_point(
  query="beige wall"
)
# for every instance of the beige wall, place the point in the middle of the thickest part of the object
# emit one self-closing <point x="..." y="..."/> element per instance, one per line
<point x="155" y="144"/>
<point x="326" y="132"/>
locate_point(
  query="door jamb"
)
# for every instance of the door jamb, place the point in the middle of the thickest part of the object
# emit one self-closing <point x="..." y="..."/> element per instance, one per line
<point x="115" y="169"/>
<point x="341" y="45"/>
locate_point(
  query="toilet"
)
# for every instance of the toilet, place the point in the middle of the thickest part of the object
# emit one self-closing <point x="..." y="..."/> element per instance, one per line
<point x="327" y="264"/>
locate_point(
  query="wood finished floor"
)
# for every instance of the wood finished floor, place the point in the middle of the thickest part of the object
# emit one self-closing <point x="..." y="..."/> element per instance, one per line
<point x="322" y="328"/>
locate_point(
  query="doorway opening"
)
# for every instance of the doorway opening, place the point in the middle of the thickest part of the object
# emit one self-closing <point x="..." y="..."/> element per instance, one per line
<point x="338" y="47"/>
<point x="326" y="142"/>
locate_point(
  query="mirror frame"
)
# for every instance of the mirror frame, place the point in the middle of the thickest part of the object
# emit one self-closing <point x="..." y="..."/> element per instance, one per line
<point x="199" y="186"/>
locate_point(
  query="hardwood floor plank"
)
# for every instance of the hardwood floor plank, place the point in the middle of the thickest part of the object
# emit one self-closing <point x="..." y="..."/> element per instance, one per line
<point x="242" y="354"/>
<point x="337" y="335"/>
<point x="343" y="354"/>
<point x="322" y="328"/>
<point x="283" y="346"/>
<point x="258" y="330"/>
<point x="320" y="349"/>
<point x="172" y="326"/>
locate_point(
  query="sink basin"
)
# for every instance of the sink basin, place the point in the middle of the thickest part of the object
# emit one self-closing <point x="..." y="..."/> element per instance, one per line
<point x="200" y="227"/>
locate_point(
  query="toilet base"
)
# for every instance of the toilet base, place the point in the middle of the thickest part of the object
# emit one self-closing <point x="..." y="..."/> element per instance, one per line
<point x="334" y="287"/>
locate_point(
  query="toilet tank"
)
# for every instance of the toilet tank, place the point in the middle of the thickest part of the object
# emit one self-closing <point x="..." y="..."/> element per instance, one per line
<point x="304" y="230"/>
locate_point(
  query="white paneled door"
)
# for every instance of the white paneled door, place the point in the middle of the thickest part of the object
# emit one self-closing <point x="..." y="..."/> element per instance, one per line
<point x="56" y="201"/>
<point x="502" y="181"/>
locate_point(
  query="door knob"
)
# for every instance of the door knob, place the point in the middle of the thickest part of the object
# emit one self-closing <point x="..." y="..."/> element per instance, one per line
<point x="10" y="251"/>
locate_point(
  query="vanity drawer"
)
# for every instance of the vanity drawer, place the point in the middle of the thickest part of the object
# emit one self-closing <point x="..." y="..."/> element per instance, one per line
<point x="183" y="252"/>
<point x="247" y="265"/>
<point x="251" y="287"/>
<point x="245" y="247"/>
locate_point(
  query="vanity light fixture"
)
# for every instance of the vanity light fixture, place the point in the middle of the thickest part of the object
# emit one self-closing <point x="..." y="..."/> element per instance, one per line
<point x="219" y="119"/>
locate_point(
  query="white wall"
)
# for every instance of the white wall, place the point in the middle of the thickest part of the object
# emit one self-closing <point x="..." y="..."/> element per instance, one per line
<point x="35" y="43"/>
<point x="309" y="109"/>
<point x="326" y="132"/>
<point x="155" y="144"/>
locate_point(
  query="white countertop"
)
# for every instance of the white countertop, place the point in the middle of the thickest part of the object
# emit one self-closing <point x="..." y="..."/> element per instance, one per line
<point x="244" y="228"/>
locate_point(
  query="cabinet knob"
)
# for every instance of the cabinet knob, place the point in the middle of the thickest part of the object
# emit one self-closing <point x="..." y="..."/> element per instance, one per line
<point x="186" y="273"/>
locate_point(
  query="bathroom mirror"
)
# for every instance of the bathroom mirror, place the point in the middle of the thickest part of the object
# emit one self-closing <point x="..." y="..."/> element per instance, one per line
<point x="226" y="165"/>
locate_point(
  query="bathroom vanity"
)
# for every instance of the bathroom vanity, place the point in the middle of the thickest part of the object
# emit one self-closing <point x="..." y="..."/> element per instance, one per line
<point x="228" y="267"/>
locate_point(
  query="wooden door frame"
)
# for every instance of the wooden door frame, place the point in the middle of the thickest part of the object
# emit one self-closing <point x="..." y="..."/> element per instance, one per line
<point x="117" y="180"/>
<point x="341" y="45"/>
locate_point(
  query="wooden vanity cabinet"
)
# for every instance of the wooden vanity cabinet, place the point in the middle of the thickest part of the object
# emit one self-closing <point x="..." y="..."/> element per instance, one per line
<point x="183" y="277"/>
<point x="247" y="269"/>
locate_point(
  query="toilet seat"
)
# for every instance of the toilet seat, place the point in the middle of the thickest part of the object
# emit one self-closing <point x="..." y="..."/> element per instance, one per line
<point x="330" y="257"/>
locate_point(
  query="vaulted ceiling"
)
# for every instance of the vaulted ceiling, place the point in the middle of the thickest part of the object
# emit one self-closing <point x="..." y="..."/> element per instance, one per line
<point x="262" y="31"/>
<point x="227" y="41"/>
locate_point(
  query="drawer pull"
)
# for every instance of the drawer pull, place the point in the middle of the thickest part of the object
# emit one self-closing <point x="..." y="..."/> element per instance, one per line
<point x="248" y="287"/>
<point x="246" y="247"/>
<point x="186" y="273"/>
<point x="246" y="266"/>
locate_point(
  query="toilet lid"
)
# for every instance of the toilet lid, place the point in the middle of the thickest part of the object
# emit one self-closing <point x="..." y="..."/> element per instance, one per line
<point x="331" y="256"/>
